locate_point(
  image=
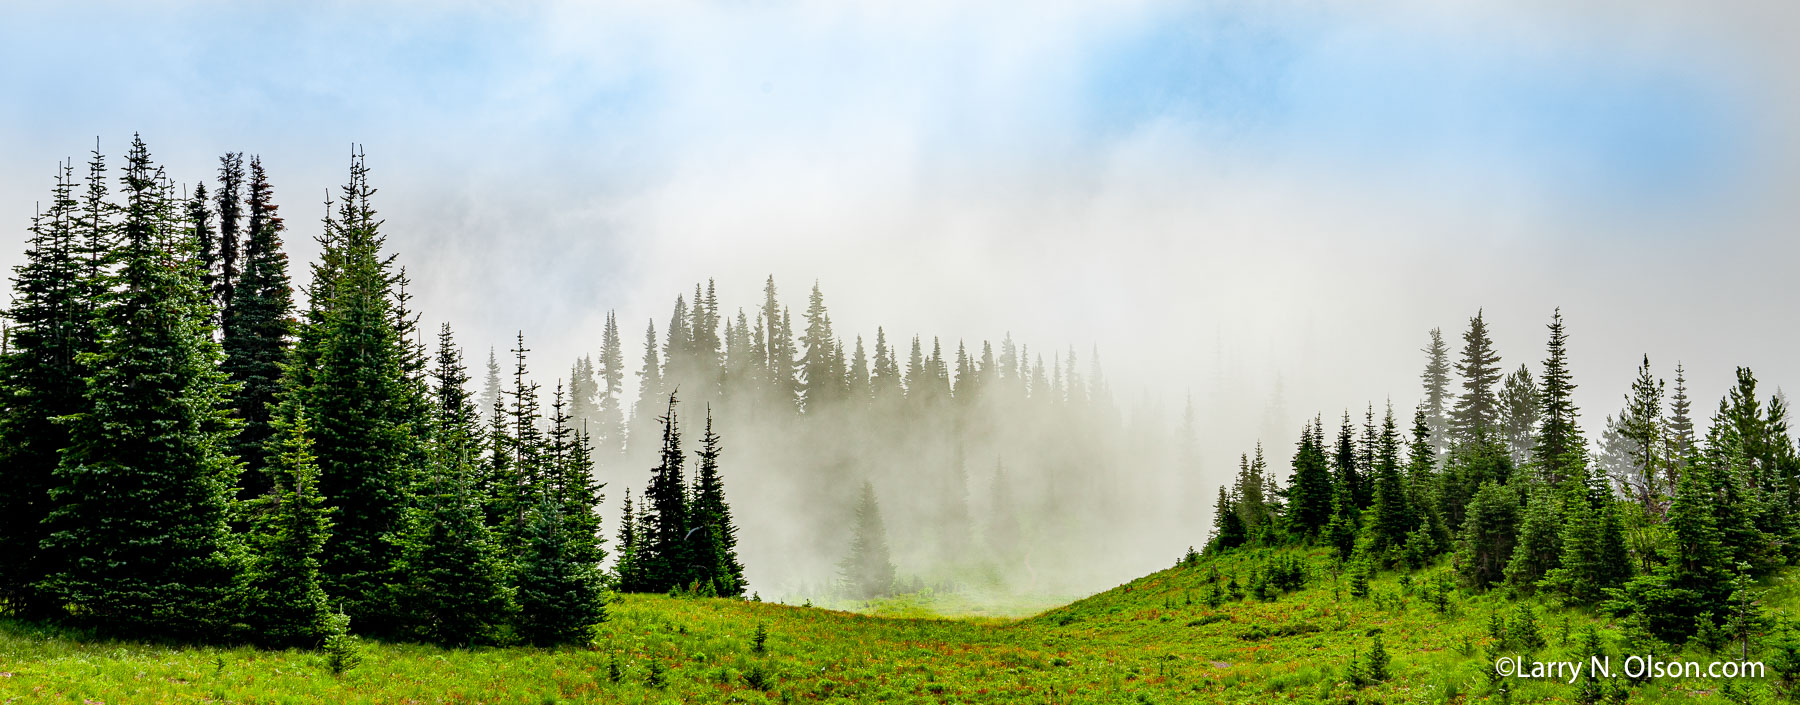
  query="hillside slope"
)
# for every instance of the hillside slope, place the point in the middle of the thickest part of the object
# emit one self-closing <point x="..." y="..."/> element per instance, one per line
<point x="1153" y="640"/>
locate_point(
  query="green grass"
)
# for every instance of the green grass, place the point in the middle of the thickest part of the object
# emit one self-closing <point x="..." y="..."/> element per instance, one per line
<point x="1153" y="640"/>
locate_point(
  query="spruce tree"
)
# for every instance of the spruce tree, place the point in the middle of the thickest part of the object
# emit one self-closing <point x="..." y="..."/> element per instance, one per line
<point x="715" y="557"/>
<point x="1560" y="446"/>
<point x="1309" y="495"/>
<point x="41" y="378"/>
<point x="1350" y="477"/>
<point x="1485" y="544"/>
<point x="287" y="605"/>
<point x="1642" y="427"/>
<point x="1519" y="408"/>
<point x="1437" y="390"/>
<point x="561" y="595"/>
<point x="1475" y="418"/>
<point x="866" y="570"/>
<point x="1393" y="516"/>
<point x="230" y="209"/>
<point x="609" y="426"/>
<point x="651" y="394"/>
<point x="362" y="406"/>
<point x="1540" y="547"/>
<point x="140" y="497"/>
<point x="454" y="590"/>
<point x="664" y="550"/>
<point x="628" y="571"/>
<point x="257" y="329"/>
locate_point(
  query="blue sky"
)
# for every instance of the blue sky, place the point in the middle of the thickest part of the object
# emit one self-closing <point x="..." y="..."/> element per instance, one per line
<point x="542" y="163"/>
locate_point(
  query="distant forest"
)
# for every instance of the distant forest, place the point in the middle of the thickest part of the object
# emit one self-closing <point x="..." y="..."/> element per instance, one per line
<point x="193" y="449"/>
<point x="1651" y="523"/>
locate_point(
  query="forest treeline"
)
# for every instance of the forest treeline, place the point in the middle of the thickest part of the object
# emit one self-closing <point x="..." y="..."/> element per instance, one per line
<point x="191" y="453"/>
<point x="1651" y="523"/>
<point x="194" y="447"/>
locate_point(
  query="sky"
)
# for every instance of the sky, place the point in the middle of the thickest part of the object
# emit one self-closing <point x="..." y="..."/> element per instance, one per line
<point x="1263" y="205"/>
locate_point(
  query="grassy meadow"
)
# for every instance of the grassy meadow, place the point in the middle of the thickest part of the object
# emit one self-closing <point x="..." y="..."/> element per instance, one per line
<point x="1153" y="640"/>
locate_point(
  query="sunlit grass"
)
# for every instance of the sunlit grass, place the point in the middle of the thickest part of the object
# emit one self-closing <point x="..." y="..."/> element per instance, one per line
<point x="1151" y="640"/>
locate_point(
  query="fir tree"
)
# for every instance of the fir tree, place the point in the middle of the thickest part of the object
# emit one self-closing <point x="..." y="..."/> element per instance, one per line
<point x="362" y="406"/>
<point x="1488" y="534"/>
<point x="42" y="379"/>
<point x="561" y="595"/>
<point x="663" y="550"/>
<point x="231" y="209"/>
<point x="455" y="587"/>
<point x="139" y="499"/>
<point x="1475" y="418"/>
<point x="1519" y="408"/>
<point x="627" y="570"/>
<point x="651" y="393"/>
<point x="1540" y="547"/>
<point x="287" y="605"/>
<point x="257" y="328"/>
<point x="715" y="557"/>
<point x="866" y="570"/>
<point x="609" y="426"/>
<point x="1309" y="495"/>
<point x="1437" y="390"/>
<point x="1559" y="443"/>
<point x="1350" y="476"/>
<point x="1392" y="517"/>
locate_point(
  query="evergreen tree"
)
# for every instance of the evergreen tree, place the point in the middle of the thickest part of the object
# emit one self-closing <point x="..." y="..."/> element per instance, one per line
<point x="715" y="557"/>
<point x="1641" y="427"/>
<point x="1488" y="534"/>
<point x="628" y="569"/>
<point x="1349" y="475"/>
<point x="1341" y="531"/>
<point x="1475" y="418"/>
<point x="650" y="395"/>
<point x="455" y="584"/>
<point x="663" y="541"/>
<point x="866" y="570"/>
<point x="1393" y="516"/>
<point x="1519" y="407"/>
<point x="1540" y="547"/>
<point x="1437" y="390"/>
<point x="139" y="499"/>
<point x="41" y="379"/>
<point x="1309" y="495"/>
<point x="257" y="328"/>
<point x="362" y="406"/>
<point x="231" y="209"/>
<point x="1422" y="485"/>
<point x="1560" y="446"/>
<point x="609" y="427"/>
<point x="561" y="595"/>
<point x="287" y="605"/>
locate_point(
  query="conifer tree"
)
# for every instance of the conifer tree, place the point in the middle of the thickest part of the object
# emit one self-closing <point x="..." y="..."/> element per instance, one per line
<point x="1519" y="408"/>
<point x="231" y="209"/>
<point x="715" y="558"/>
<point x="1642" y="427"/>
<point x="609" y="426"/>
<point x="362" y="406"/>
<point x="1349" y="475"/>
<point x="41" y="378"/>
<point x="1437" y="390"/>
<point x="819" y="382"/>
<point x="1341" y="531"/>
<point x="664" y="548"/>
<point x="1422" y="485"/>
<point x="257" y="328"/>
<point x="561" y="595"/>
<point x="1309" y="495"/>
<point x="1392" y="517"/>
<point x="1540" y="547"/>
<point x="1228" y="529"/>
<point x="287" y="605"/>
<point x="455" y="585"/>
<point x="1560" y="446"/>
<point x="1475" y="418"/>
<point x="867" y="571"/>
<point x="1485" y="545"/>
<point x="139" y="499"/>
<point x="627" y="570"/>
<point x="650" y="395"/>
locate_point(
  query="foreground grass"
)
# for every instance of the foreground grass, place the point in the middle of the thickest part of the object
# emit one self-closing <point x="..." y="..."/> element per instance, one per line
<point x="1153" y="640"/>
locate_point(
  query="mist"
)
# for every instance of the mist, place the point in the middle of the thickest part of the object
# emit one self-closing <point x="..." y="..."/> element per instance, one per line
<point x="1259" y="207"/>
